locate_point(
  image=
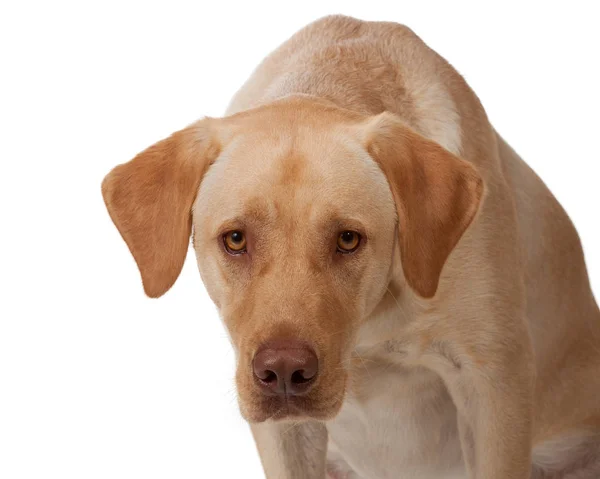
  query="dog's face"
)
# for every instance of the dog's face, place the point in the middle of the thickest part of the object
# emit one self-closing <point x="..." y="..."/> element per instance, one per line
<point x="298" y="210"/>
<point x="294" y="234"/>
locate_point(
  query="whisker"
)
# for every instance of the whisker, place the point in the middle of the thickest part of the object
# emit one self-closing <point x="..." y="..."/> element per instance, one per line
<point x="294" y="424"/>
<point x="400" y="308"/>
<point x="362" y="362"/>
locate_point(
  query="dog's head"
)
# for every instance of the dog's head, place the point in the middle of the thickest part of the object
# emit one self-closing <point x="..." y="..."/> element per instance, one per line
<point x="298" y="209"/>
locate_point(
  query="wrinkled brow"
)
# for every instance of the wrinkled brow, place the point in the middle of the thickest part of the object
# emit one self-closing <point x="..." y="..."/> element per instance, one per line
<point x="257" y="211"/>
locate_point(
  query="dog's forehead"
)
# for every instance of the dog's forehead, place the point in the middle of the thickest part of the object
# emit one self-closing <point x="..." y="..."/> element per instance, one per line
<point x="299" y="171"/>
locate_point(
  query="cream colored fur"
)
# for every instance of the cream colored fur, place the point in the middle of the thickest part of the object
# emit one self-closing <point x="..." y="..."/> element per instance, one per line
<point x="521" y="265"/>
<point x="489" y="371"/>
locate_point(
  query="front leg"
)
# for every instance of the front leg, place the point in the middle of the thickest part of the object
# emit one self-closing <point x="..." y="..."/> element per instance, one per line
<point x="492" y="387"/>
<point x="292" y="451"/>
<point x="495" y="428"/>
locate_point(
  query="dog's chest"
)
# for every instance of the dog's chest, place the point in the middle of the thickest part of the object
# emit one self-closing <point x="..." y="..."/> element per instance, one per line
<point x="396" y="423"/>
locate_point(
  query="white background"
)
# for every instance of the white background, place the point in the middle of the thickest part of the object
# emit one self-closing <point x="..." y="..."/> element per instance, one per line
<point x="98" y="381"/>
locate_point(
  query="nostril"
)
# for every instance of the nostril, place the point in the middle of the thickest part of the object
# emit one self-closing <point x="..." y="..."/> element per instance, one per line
<point x="269" y="377"/>
<point x="300" y="377"/>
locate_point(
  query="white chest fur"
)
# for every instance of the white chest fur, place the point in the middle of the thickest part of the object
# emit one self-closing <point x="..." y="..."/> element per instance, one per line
<point x="396" y="423"/>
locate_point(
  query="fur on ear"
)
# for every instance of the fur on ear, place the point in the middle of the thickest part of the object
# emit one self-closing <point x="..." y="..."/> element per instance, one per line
<point x="149" y="200"/>
<point x="437" y="196"/>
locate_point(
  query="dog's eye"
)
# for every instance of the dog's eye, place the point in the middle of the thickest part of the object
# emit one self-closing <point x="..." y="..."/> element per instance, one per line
<point x="235" y="242"/>
<point x="348" y="241"/>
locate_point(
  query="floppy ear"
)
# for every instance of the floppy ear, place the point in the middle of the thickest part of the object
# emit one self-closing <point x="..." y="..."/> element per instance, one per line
<point x="437" y="196"/>
<point x="150" y="198"/>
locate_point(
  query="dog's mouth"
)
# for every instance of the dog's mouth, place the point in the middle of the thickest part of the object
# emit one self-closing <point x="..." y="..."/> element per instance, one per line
<point x="291" y="407"/>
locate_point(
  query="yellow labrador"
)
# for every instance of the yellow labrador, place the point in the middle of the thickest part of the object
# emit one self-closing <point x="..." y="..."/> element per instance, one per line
<point x="395" y="279"/>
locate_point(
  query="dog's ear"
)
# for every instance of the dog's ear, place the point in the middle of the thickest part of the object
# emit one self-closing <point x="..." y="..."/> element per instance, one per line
<point x="436" y="193"/>
<point x="150" y="198"/>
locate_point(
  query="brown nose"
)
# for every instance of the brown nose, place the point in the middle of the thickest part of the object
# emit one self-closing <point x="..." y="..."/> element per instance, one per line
<point x="285" y="367"/>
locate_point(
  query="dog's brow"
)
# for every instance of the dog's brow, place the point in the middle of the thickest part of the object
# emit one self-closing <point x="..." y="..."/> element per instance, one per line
<point x="338" y="220"/>
<point x="254" y="212"/>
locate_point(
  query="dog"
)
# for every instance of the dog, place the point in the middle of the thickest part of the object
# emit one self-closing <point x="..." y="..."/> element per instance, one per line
<point x="405" y="297"/>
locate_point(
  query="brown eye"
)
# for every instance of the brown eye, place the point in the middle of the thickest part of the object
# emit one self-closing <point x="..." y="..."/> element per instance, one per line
<point x="235" y="242"/>
<point x="348" y="241"/>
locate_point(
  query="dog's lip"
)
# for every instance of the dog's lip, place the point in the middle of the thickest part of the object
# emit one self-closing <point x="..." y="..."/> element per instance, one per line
<point x="287" y="405"/>
<point x="292" y="407"/>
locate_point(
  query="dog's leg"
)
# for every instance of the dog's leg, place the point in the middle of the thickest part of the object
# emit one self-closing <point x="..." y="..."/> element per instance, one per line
<point x="467" y="444"/>
<point x="495" y="416"/>
<point x="492" y="388"/>
<point x="292" y="451"/>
